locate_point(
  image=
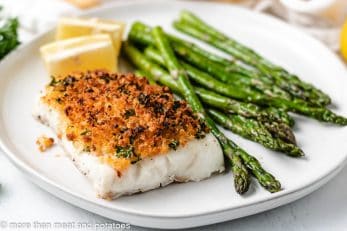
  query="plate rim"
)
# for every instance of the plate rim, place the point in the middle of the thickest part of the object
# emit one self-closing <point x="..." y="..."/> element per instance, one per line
<point x="21" y="165"/>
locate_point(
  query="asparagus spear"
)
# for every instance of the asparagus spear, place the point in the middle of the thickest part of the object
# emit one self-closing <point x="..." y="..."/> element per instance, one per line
<point x="273" y="118"/>
<point x="253" y="130"/>
<point x="248" y="110"/>
<point x="300" y="107"/>
<point x="243" y="56"/>
<point x="272" y="122"/>
<point x="281" y="131"/>
<point x="269" y="115"/>
<point x="265" y="179"/>
<point x="241" y="177"/>
<point x="194" y="26"/>
<point x="140" y="33"/>
<point x="231" y="73"/>
<point x="279" y="115"/>
<point x="249" y="95"/>
<point x="146" y="75"/>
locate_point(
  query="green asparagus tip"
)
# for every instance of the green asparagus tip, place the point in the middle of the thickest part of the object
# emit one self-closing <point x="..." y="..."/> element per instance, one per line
<point x="296" y="152"/>
<point x="342" y="121"/>
<point x="273" y="186"/>
<point x="301" y="153"/>
<point x="241" y="185"/>
<point x="329" y="116"/>
<point x="184" y="13"/>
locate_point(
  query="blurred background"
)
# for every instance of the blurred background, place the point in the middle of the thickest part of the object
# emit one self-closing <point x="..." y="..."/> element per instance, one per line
<point x="323" y="19"/>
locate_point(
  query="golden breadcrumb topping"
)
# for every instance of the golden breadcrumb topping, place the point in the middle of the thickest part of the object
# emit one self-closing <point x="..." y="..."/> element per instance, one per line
<point x="44" y="143"/>
<point x="121" y="118"/>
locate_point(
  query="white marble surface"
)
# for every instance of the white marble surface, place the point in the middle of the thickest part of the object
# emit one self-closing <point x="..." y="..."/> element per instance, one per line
<point x="22" y="201"/>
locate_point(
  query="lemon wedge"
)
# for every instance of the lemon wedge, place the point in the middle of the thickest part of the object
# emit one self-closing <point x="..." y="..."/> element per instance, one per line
<point x="79" y="54"/>
<point x="343" y="41"/>
<point x="74" y="27"/>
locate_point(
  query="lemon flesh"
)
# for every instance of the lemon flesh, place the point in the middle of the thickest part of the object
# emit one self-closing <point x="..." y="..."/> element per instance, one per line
<point x="75" y="27"/>
<point x="79" y="55"/>
<point x="343" y="41"/>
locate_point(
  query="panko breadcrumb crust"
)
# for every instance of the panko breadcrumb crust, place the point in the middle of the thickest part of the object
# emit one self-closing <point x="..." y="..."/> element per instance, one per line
<point x="121" y="118"/>
<point x="44" y="143"/>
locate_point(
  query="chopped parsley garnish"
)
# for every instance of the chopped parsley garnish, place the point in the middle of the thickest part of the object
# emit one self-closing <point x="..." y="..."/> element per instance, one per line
<point x="129" y="112"/>
<point x="8" y="36"/>
<point x="69" y="80"/>
<point x="136" y="160"/>
<point x="144" y="99"/>
<point x="58" y="100"/>
<point x="124" y="152"/>
<point x="174" y="144"/>
<point x="53" y="81"/>
<point x="106" y="78"/>
<point x="176" y="105"/>
<point x="123" y="90"/>
<point x="203" y="129"/>
<point x="158" y="108"/>
<point x="85" y="132"/>
<point x="86" y="149"/>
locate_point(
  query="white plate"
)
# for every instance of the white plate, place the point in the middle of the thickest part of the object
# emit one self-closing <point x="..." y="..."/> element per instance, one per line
<point x="191" y="204"/>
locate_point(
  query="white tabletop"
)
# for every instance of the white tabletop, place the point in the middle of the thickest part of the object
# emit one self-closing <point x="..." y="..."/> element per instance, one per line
<point x="23" y="203"/>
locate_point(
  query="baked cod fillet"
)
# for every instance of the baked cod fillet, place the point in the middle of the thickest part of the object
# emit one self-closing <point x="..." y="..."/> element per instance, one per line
<point x="125" y="135"/>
